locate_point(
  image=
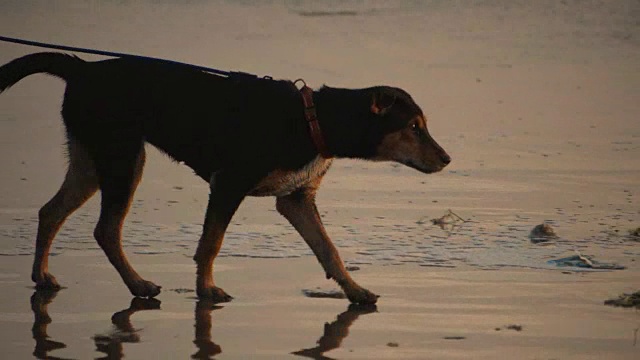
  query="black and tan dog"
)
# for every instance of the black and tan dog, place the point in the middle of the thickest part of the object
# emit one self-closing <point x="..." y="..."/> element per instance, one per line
<point x="245" y="136"/>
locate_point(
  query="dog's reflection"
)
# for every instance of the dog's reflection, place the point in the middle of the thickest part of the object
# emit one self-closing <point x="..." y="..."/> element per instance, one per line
<point x="124" y="331"/>
<point x="206" y="348"/>
<point x="40" y="300"/>
<point x="336" y="331"/>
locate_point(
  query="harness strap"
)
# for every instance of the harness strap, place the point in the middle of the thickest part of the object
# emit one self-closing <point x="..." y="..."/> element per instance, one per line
<point x="312" y="120"/>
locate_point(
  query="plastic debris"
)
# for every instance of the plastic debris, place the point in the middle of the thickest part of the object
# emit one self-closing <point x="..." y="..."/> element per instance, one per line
<point x="583" y="261"/>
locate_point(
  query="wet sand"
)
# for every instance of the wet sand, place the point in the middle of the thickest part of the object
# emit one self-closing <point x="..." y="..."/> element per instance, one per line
<point x="428" y="314"/>
<point x="536" y="103"/>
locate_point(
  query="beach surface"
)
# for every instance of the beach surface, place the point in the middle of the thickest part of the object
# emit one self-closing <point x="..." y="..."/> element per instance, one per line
<point x="536" y="102"/>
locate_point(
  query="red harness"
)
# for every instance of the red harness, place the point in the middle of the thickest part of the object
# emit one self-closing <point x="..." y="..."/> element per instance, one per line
<point x="312" y="119"/>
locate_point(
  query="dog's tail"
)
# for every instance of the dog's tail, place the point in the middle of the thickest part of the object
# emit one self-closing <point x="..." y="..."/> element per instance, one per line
<point x="61" y="65"/>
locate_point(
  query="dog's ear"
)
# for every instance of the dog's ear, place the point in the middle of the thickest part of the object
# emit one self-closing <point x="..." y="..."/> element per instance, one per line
<point x="382" y="101"/>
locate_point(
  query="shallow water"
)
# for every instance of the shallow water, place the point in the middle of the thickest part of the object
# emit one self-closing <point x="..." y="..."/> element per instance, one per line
<point x="489" y="239"/>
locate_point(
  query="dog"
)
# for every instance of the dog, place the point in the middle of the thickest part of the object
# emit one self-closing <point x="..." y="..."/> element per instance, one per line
<point x="244" y="135"/>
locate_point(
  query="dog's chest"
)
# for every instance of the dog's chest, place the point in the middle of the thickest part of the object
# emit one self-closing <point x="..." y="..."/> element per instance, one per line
<point x="283" y="182"/>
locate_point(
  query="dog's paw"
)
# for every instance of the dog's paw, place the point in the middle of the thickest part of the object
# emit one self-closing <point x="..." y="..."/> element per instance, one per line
<point x="145" y="289"/>
<point x="362" y="296"/>
<point x="215" y="294"/>
<point x="45" y="281"/>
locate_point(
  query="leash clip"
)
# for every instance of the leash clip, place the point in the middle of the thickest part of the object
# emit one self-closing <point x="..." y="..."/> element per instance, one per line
<point x="304" y="84"/>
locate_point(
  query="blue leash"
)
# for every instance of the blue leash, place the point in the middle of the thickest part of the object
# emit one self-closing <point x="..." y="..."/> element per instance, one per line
<point x="120" y="55"/>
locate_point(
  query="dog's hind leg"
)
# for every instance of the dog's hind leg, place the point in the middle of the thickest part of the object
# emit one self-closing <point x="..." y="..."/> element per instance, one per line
<point x="79" y="185"/>
<point x="119" y="172"/>
<point x="300" y="209"/>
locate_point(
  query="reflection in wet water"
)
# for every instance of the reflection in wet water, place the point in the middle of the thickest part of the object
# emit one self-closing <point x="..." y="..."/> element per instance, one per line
<point x="336" y="332"/>
<point x="111" y="344"/>
<point x="40" y="301"/>
<point x="206" y="348"/>
<point x="124" y="331"/>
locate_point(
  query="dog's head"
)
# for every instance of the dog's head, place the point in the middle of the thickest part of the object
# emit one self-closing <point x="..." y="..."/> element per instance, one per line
<point x="399" y="131"/>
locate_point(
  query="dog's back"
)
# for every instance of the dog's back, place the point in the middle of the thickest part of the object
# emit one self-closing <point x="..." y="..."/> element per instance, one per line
<point x="203" y="120"/>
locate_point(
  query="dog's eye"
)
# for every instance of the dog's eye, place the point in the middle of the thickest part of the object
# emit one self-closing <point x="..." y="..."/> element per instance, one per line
<point x="415" y="127"/>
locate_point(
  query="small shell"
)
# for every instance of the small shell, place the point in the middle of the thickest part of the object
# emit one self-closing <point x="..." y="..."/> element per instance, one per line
<point x="542" y="233"/>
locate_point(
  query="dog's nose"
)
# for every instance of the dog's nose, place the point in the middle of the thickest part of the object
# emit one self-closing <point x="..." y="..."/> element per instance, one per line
<point x="445" y="158"/>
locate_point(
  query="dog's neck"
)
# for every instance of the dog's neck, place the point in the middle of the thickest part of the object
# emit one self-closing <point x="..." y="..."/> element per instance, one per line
<point x="343" y="116"/>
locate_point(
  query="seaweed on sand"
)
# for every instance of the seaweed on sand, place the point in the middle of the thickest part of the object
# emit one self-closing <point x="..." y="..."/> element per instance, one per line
<point x="449" y="218"/>
<point x="626" y="300"/>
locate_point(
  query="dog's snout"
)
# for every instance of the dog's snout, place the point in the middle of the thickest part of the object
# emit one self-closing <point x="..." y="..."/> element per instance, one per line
<point x="445" y="158"/>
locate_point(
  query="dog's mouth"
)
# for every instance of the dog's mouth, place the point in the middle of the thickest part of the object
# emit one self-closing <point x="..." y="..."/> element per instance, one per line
<point x="430" y="169"/>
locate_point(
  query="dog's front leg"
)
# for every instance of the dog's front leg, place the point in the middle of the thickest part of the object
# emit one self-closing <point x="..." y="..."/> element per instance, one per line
<point x="300" y="209"/>
<point x="228" y="189"/>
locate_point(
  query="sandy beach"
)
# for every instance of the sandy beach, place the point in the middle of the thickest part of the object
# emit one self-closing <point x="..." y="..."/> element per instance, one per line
<point x="536" y="102"/>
